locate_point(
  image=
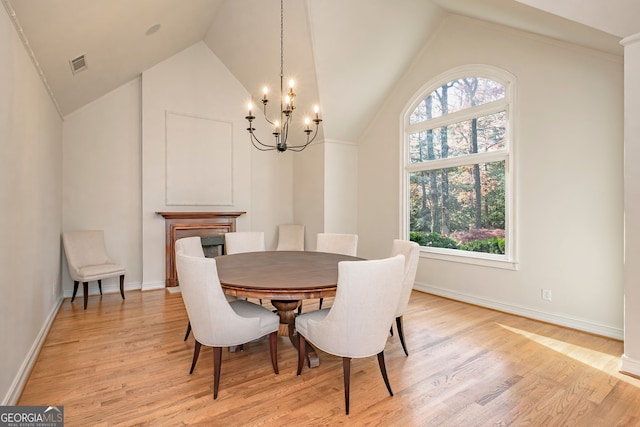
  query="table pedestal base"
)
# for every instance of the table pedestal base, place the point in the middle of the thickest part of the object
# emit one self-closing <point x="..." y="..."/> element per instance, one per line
<point x="287" y="312"/>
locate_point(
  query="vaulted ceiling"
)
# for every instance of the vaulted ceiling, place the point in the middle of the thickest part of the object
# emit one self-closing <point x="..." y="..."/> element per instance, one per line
<point x="344" y="54"/>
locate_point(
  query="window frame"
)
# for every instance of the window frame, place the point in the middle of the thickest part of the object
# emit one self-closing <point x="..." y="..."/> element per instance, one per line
<point x="507" y="104"/>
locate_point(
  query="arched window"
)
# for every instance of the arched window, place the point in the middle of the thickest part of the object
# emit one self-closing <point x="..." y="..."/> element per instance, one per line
<point x="457" y="179"/>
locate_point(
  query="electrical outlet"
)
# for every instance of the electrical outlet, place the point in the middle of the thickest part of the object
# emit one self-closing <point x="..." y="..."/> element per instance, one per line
<point x="546" y="294"/>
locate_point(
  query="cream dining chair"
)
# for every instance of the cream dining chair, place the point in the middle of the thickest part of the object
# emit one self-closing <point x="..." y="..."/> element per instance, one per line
<point x="244" y="241"/>
<point x="192" y="246"/>
<point x="216" y="322"/>
<point x="336" y="243"/>
<point x="237" y="242"/>
<point x="357" y="324"/>
<point x="290" y="237"/>
<point x="411" y="252"/>
<point x="88" y="261"/>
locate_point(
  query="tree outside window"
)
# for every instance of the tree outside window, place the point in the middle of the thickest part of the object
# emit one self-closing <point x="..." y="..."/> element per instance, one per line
<point x="457" y="157"/>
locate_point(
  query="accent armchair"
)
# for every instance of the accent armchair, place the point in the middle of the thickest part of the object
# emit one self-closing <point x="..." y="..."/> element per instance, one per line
<point x="88" y="261"/>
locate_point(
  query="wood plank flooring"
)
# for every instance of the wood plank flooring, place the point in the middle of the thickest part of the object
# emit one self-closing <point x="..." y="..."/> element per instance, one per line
<point x="125" y="363"/>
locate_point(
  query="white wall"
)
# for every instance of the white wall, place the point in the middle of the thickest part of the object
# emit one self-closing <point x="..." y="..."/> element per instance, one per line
<point x="30" y="211"/>
<point x="631" y="357"/>
<point x="568" y="165"/>
<point x="309" y="190"/>
<point x="101" y="180"/>
<point x="196" y="83"/>
<point x="341" y="187"/>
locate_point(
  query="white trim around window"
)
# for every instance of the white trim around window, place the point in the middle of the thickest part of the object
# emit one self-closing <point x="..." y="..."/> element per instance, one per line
<point x="508" y="104"/>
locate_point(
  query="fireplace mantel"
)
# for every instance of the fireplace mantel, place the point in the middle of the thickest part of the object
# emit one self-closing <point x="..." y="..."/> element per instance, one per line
<point x="188" y="224"/>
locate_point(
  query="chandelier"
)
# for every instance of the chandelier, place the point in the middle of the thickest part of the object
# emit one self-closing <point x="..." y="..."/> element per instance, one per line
<point x="281" y="125"/>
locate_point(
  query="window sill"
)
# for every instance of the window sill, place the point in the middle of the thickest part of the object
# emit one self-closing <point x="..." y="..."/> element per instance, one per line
<point x="473" y="258"/>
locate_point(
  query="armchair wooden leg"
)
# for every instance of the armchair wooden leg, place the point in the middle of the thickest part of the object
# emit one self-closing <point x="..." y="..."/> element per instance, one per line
<point x="75" y="290"/>
<point x="320" y="305"/>
<point x="196" y="353"/>
<point x="400" y="329"/>
<point x="383" y="370"/>
<point x="85" y="290"/>
<point x="100" y="286"/>
<point x="122" y="285"/>
<point x="346" y="368"/>
<point x="217" y="361"/>
<point x="188" y="331"/>
<point x="273" y="349"/>
<point x="302" y="350"/>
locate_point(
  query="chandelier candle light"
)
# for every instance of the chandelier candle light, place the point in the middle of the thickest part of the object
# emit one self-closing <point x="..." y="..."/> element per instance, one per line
<point x="281" y="126"/>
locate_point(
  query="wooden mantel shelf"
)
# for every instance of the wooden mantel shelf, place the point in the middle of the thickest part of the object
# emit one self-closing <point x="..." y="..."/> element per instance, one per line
<point x="189" y="224"/>
<point x="199" y="215"/>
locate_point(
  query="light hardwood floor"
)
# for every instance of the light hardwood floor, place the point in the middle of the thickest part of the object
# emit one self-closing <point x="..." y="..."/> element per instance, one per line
<point x="125" y="363"/>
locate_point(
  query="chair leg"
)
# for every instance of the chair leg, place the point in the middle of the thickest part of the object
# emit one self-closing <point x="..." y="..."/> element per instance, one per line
<point x="383" y="370"/>
<point x="273" y="349"/>
<point x="217" y="361"/>
<point x="401" y="334"/>
<point x="302" y="350"/>
<point x="188" y="331"/>
<point x="85" y="290"/>
<point x="122" y="285"/>
<point x="100" y="286"/>
<point x="346" y="368"/>
<point x="75" y="290"/>
<point x="320" y="307"/>
<point x="196" y="353"/>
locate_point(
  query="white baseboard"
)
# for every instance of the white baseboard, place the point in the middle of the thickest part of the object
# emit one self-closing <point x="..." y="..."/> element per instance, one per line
<point x="630" y="366"/>
<point x="14" y="392"/>
<point x="566" y="321"/>
<point x="106" y="289"/>
<point x="153" y="286"/>
<point x="173" y="289"/>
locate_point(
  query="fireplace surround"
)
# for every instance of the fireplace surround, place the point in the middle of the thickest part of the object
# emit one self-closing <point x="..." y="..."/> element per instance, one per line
<point x="189" y="224"/>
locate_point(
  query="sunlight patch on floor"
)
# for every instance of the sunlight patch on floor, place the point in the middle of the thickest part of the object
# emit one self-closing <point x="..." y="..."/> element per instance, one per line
<point x="602" y="361"/>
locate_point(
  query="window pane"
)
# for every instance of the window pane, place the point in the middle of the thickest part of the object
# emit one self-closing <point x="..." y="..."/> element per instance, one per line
<point x="459" y="208"/>
<point x="479" y="135"/>
<point x="456" y="96"/>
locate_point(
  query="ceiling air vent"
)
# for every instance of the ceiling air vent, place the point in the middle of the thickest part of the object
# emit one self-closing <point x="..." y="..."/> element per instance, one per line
<point x="78" y="64"/>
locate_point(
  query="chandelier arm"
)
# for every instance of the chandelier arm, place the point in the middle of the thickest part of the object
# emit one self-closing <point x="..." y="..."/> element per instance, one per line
<point x="264" y="109"/>
<point x="299" y="148"/>
<point x="255" y="139"/>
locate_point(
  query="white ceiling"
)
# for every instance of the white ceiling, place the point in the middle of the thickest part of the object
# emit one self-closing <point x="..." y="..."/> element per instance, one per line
<point x="344" y="54"/>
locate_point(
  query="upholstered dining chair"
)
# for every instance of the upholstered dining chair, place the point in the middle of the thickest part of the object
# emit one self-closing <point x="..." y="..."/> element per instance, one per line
<point x="88" y="261"/>
<point x="237" y="242"/>
<point x="336" y="243"/>
<point x="244" y="241"/>
<point x="411" y="252"/>
<point x="357" y="324"/>
<point x="192" y="246"/>
<point x="216" y="322"/>
<point x="290" y="237"/>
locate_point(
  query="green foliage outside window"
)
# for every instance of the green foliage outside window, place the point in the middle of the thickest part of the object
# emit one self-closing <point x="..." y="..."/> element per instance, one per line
<point x="455" y="200"/>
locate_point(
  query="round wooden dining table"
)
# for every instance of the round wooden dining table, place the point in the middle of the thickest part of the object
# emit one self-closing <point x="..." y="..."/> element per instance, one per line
<point x="284" y="277"/>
